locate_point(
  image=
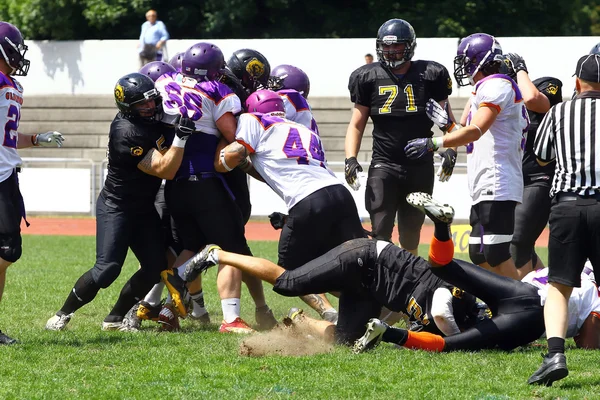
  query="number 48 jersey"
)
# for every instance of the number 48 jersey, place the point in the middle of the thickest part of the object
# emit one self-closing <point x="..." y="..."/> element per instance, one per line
<point x="11" y="99"/>
<point x="287" y="155"/>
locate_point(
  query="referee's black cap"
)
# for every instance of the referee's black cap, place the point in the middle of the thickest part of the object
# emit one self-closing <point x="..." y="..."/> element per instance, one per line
<point x="588" y="68"/>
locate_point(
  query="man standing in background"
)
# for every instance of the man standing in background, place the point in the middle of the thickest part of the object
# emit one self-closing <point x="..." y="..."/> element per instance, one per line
<point x="153" y="37"/>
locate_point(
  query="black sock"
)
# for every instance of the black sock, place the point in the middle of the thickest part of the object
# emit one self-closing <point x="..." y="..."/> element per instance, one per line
<point x="556" y="345"/>
<point x="441" y="231"/>
<point x="83" y="292"/>
<point x="134" y="290"/>
<point x="395" y="335"/>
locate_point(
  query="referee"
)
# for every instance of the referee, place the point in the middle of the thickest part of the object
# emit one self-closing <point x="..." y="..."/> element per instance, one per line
<point x="568" y="133"/>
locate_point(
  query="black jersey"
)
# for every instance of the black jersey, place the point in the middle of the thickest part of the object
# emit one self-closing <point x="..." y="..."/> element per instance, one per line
<point x="532" y="170"/>
<point x="129" y="142"/>
<point x="404" y="283"/>
<point x="397" y="105"/>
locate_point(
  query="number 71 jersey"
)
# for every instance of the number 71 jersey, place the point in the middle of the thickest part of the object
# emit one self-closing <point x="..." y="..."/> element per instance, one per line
<point x="287" y="155"/>
<point x="11" y="99"/>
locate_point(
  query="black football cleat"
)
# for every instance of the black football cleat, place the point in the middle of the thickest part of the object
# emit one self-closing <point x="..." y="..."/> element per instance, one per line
<point x="553" y="368"/>
<point x="5" y="339"/>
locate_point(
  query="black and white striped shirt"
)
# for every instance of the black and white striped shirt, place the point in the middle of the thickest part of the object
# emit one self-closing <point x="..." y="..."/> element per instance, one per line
<point x="568" y="133"/>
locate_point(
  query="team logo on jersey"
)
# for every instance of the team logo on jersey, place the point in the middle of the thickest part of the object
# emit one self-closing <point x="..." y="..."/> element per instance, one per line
<point x="119" y="93"/>
<point x="449" y="83"/>
<point x="389" y="39"/>
<point x="137" y="151"/>
<point x="255" y="68"/>
<point x="552" y="89"/>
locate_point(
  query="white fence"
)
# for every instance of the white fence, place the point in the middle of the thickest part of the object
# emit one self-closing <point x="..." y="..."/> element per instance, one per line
<point x="74" y="190"/>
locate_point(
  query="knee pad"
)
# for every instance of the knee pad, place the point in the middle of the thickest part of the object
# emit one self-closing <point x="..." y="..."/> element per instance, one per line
<point x="496" y="254"/>
<point x="520" y="254"/>
<point x="475" y="254"/>
<point x="105" y="275"/>
<point x="10" y="247"/>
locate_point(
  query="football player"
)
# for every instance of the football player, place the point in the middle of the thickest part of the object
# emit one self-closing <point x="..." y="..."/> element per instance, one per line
<point x="12" y="210"/>
<point x="201" y="202"/>
<point x="393" y="93"/>
<point x="494" y="138"/>
<point x="126" y="218"/>
<point x="531" y="216"/>
<point x="175" y="61"/>
<point x="155" y="69"/>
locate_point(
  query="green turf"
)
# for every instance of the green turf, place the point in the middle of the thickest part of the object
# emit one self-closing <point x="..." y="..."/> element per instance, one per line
<point x="84" y="362"/>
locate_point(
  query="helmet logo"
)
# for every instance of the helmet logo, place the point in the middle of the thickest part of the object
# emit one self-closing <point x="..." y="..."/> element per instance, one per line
<point x="137" y="151"/>
<point x="389" y="39"/>
<point x="552" y="89"/>
<point x="119" y="93"/>
<point x="255" y="68"/>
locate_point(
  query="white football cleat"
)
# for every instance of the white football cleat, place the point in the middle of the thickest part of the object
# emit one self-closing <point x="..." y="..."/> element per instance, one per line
<point x="435" y="210"/>
<point x="58" y="322"/>
<point x="121" y="326"/>
<point x="372" y="337"/>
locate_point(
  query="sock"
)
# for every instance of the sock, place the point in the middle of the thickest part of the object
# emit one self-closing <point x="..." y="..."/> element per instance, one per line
<point x="154" y="295"/>
<point x="169" y="298"/>
<point x="395" y="335"/>
<point x="441" y="231"/>
<point x="231" y="309"/>
<point x="440" y="252"/>
<point x="198" y="303"/>
<point x="83" y="292"/>
<point x="556" y="345"/>
<point x="330" y="310"/>
<point x="424" y="341"/>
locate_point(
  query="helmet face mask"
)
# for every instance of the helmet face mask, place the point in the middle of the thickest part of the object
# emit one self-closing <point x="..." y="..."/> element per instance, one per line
<point x="396" y="43"/>
<point x="477" y="52"/>
<point x="13" y="49"/>
<point x="132" y="94"/>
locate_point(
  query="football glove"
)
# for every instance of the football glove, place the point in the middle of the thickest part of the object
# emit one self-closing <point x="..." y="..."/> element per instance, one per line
<point x="48" y="139"/>
<point x="448" y="162"/>
<point x="184" y="127"/>
<point x="417" y="148"/>
<point x="351" y="170"/>
<point x="277" y="220"/>
<point x="518" y="64"/>
<point x="439" y="115"/>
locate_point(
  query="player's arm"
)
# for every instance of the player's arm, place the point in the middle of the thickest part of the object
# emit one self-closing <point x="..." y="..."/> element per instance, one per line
<point x="234" y="155"/>
<point x="443" y="312"/>
<point x="227" y="125"/>
<point x="354" y="134"/>
<point x="48" y="139"/>
<point x="480" y="123"/>
<point x="534" y="99"/>
<point x="465" y="113"/>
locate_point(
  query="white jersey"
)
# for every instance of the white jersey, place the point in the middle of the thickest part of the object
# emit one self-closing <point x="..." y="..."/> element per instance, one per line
<point x="583" y="301"/>
<point x="202" y="102"/>
<point x="287" y="155"/>
<point x="11" y="100"/>
<point x="297" y="109"/>
<point x="495" y="161"/>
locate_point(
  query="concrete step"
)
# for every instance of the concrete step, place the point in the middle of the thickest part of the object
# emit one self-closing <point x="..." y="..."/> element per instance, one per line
<point x="66" y="101"/>
<point x="68" y="114"/>
<point x="66" y="127"/>
<point x="96" y="154"/>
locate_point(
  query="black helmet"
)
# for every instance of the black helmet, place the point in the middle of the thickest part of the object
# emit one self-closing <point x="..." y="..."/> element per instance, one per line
<point x="391" y="32"/>
<point x="137" y="88"/>
<point x="251" y="68"/>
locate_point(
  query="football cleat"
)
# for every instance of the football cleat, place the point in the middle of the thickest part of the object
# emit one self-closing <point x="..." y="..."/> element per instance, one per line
<point x="5" y="339"/>
<point x="131" y="317"/>
<point x="200" y="262"/>
<point x="265" y="320"/>
<point x="58" y="322"/>
<point x="435" y="210"/>
<point x="293" y="316"/>
<point x="176" y="287"/>
<point x="121" y="326"/>
<point x="147" y="312"/>
<point x="168" y="319"/>
<point x="372" y="337"/>
<point x="237" y="326"/>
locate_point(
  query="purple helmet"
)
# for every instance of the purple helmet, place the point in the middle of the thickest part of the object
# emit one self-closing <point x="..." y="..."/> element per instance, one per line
<point x="175" y="61"/>
<point x="477" y="52"/>
<point x="13" y="49"/>
<point x="289" y="77"/>
<point x="265" y="101"/>
<point x="203" y="61"/>
<point x="155" y="69"/>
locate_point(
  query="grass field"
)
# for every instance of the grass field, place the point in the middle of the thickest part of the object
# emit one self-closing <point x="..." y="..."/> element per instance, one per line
<point x="84" y="362"/>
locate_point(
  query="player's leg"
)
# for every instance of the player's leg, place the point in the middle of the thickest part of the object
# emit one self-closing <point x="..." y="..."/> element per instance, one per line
<point x="531" y="217"/>
<point x="475" y="239"/>
<point x="410" y="220"/>
<point x="318" y="328"/>
<point x="113" y="231"/>
<point x="498" y="224"/>
<point x="237" y="181"/>
<point x="10" y="233"/>
<point x="381" y="200"/>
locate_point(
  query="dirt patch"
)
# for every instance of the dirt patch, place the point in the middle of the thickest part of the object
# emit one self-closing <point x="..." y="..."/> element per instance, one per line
<point x="283" y="341"/>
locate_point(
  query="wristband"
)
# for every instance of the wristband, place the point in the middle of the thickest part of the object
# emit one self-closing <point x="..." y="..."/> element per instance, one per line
<point x="438" y="142"/>
<point x="34" y="140"/>
<point x="179" y="142"/>
<point x="479" y="129"/>
<point x="222" y="158"/>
